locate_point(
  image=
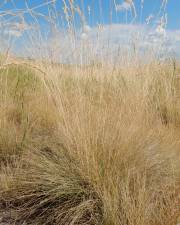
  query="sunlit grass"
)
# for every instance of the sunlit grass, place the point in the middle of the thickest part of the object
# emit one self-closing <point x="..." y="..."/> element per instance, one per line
<point x="91" y="146"/>
<point x="93" y="141"/>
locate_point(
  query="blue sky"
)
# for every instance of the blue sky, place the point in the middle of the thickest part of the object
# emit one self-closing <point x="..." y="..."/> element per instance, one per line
<point x="173" y="11"/>
<point x="100" y="10"/>
<point x="118" y="18"/>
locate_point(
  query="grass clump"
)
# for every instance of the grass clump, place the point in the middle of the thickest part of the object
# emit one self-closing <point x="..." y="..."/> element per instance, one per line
<point x="21" y="112"/>
<point x="103" y="153"/>
<point x="95" y="141"/>
<point x="51" y="190"/>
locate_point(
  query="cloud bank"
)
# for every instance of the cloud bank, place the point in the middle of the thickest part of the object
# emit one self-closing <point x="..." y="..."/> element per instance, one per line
<point x="112" y="41"/>
<point x="108" y="42"/>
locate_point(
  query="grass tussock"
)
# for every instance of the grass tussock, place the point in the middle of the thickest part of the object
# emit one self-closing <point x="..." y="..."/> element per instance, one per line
<point x="91" y="145"/>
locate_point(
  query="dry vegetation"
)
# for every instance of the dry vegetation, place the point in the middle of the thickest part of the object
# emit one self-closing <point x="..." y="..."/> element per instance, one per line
<point x="95" y="144"/>
<point x="91" y="145"/>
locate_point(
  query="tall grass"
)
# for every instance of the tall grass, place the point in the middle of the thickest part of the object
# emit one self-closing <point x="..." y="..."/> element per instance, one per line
<point x="89" y="144"/>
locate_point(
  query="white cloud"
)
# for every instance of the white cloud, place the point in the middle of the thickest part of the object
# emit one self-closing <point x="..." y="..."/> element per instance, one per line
<point x="126" y="5"/>
<point x="175" y="35"/>
<point x="158" y="39"/>
<point x="123" y="6"/>
<point x="13" y="33"/>
<point x="161" y="31"/>
<point x="84" y="36"/>
<point x="111" y="40"/>
<point x="13" y="29"/>
<point x="86" y="28"/>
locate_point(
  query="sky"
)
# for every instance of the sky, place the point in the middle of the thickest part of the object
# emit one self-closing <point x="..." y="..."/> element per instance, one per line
<point x="156" y="22"/>
<point x="101" y="10"/>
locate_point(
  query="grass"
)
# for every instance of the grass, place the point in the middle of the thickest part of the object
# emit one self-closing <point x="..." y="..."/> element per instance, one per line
<point x="90" y="145"/>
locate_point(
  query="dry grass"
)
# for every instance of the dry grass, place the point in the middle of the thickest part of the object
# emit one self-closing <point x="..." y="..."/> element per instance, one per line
<point x="90" y="145"/>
